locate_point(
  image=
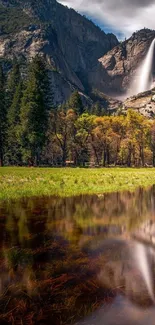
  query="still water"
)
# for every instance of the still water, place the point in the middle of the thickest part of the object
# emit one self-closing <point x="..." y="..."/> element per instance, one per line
<point x="80" y="260"/>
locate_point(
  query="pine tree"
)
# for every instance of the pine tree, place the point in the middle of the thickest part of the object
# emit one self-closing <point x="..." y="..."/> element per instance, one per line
<point x="14" y="94"/>
<point x="13" y="81"/>
<point x="97" y="109"/>
<point x="13" y="142"/>
<point x="75" y="103"/>
<point x="34" y="112"/>
<point x="3" y="121"/>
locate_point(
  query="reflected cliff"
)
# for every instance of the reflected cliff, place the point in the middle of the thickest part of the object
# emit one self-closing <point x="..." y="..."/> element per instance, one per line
<point x="125" y="267"/>
<point x="63" y="259"/>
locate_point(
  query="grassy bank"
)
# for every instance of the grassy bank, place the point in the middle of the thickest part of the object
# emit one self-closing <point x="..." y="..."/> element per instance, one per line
<point x="21" y="182"/>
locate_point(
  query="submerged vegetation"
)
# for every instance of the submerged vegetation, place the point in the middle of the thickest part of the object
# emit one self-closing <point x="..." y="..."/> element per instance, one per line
<point x="26" y="182"/>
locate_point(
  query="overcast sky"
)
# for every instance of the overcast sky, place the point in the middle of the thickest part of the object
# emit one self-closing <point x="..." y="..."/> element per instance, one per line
<point x="120" y="16"/>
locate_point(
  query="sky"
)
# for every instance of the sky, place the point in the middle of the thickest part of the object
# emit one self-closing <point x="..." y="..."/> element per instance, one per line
<point x="122" y="17"/>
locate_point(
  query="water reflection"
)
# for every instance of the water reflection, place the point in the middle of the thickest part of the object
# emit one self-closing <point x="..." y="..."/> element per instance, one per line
<point x="125" y="266"/>
<point x="65" y="258"/>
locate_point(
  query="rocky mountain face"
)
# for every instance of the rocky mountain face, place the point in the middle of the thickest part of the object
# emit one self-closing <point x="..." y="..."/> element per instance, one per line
<point x="143" y="103"/>
<point x="79" y="55"/>
<point x="70" y="43"/>
<point x="118" y="67"/>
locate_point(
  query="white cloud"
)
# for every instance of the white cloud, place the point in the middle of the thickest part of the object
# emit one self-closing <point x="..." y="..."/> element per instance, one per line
<point x="125" y="16"/>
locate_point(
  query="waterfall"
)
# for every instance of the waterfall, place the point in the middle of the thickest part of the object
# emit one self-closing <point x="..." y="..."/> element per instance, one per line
<point x="145" y="77"/>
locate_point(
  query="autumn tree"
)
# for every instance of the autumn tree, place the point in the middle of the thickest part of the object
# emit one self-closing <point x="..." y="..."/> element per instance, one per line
<point x="63" y="131"/>
<point x="102" y="139"/>
<point x="137" y="129"/>
<point x="152" y="141"/>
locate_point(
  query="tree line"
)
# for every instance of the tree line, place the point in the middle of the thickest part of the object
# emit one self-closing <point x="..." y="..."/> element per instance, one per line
<point x="33" y="132"/>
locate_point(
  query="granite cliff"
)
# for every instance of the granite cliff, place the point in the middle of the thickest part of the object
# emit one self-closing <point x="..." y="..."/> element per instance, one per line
<point x="69" y="42"/>
<point x="78" y="53"/>
<point x="143" y="103"/>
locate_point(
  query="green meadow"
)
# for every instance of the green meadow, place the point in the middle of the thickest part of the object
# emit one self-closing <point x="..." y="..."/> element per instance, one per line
<point x="17" y="182"/>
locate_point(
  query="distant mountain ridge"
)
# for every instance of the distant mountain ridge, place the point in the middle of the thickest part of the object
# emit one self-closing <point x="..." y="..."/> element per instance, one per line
<point x="69" y="42"/>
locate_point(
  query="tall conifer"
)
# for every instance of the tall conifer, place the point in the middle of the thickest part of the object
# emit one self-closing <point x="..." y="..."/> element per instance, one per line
<point x="13" y="81"/>
<point x="3" y="121"/>
<point x="13" y="140"/>
<point x="34" y="112"/>
<point x="75" y="103"/>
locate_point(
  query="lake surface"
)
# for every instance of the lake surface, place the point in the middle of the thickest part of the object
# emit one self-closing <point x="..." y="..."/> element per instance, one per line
<point x="81" y="260"/>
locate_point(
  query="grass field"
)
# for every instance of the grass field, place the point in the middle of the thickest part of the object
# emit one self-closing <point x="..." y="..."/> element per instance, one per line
<point x="21" y="182"/>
